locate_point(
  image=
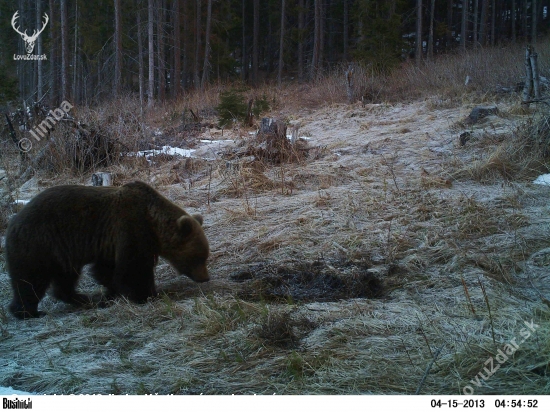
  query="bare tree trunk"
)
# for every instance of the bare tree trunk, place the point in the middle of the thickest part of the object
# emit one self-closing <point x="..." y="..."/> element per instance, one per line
<point x="244" y="54"/>
<point x="534" y="10"/>
<point x="75" y="89"/>
<point x="20" y="67"/>
<point x="53" y="58"/>
<point x="141" y="75"/>
<point x="206" y="64"/>
<point x="321" y="35"/>
<point x="256" y="42"/>
<point x="514" y="18"/>
<point x="186" y="48"/>
<point x="301" y="26"/>
<point x="431" y="33"/>
<point x="493" y="21"/>
<point x="418" y="53"/>
<point x="151" y="51"/>
<point x="39" y="71"/>
<point x="176" y="86"/>
<point x="524" y="21"/>
<point x="118" y="49"/>
<point x="196" y="74"/>
<point x="316" y="40"/>
<point x="464" y="19"/>
<point x="483" y="23"/>
<point x="475" y="18"/>
<point x="346" y="29"/>
<point x="64" y="52"/>
<point x="536" y="77"/>
<point x="281" y="44"/>
<point x="160" y="50"/>
<point x="449" y="34"/>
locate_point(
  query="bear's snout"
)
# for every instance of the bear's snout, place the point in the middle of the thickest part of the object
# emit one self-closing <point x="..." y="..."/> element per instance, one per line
<point x="202" y="280"/>
<point x="200" y="276"/>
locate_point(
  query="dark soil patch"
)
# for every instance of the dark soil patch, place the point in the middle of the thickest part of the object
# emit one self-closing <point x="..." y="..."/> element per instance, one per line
<point x="309" y="282"/>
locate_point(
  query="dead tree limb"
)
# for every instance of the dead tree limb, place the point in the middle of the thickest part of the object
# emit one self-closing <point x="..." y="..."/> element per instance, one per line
<point x="535" y="69"/>
<point x="349" y="83"/>
<point x="531" y="88"/>
<point x="528" y="86"/>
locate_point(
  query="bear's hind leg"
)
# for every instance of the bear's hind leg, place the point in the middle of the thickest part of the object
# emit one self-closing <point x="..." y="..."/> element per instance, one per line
<point x="26" y="296"/>
<point x="103" y="273"/>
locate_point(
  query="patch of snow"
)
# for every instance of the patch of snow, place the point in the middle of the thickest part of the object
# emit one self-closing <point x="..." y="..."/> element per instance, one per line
<point x="542" y="180"/>
<point x="10" y="391"/>
<point x="216" y="141"/>
<point x="176" y="151"/>
<point x="289" y="137"/>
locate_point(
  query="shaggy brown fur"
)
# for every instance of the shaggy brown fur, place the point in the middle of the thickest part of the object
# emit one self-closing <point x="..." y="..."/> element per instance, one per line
<point x="119" y="230"/>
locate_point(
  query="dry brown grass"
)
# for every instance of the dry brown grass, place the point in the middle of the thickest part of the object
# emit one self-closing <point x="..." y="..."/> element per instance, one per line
<point x="345" y="272"/>
<point x="441" y="80"/>
<point x="523" y="154"/>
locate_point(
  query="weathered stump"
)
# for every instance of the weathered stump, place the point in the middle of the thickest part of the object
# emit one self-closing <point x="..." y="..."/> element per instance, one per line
<point x="271" y="126"/>
<point x="271" y="143"/>
<point x="102" y="179"/>
<point x="531" y="89"/>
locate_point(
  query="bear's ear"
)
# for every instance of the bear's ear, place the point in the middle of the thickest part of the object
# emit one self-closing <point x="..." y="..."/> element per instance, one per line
<point x="185" y="225"/>
<point x="198" y="218"/>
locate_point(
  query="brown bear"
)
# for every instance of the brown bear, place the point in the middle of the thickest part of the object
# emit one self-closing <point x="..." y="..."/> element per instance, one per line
<point x="121" y="231"/>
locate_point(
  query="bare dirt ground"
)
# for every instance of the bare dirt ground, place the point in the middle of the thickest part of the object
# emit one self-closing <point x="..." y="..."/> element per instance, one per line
<point x="378" y="264"/>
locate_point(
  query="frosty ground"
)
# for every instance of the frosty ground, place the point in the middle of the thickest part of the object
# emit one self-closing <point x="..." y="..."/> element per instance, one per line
<point x="388" y="245"/>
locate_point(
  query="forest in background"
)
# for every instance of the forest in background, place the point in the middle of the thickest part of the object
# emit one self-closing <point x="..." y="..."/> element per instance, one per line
<point x="163" y="48"/>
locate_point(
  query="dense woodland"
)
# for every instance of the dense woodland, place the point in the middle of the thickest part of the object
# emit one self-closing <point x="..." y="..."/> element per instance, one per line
<point x="162" y="48"/>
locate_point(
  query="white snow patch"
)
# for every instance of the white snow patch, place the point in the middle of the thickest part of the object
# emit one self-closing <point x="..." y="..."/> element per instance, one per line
<point x="165" y="150"/>
<point x="216" y="141"/>
<point x="289" y="137"/>
<point x="542" y="180"/>
<point x="10" y="391"/>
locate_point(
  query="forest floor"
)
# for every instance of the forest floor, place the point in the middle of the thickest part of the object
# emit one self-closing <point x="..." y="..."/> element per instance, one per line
<point x="389" y="259"/>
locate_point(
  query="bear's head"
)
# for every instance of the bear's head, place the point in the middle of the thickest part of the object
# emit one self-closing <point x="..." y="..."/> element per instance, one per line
<point x="188" y="248"/>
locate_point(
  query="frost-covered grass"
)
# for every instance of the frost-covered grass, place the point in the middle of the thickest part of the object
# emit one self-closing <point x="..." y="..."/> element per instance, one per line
<point x="461" y="253"/>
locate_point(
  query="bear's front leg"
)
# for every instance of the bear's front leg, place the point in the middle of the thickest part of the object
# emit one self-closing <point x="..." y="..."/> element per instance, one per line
<point x="134" y="275"/>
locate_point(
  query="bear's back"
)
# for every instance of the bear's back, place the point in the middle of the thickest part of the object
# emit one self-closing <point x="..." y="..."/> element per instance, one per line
<point x="66" y="220"/>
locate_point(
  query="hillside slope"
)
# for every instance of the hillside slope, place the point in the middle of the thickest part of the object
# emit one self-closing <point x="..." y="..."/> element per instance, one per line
<point x="346" y="272"/>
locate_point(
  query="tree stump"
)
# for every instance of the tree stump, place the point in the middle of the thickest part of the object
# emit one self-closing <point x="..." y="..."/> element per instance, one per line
<point x="102" y="179"/>
<point x="271" y="126"/>
<point x="271" y="143"/>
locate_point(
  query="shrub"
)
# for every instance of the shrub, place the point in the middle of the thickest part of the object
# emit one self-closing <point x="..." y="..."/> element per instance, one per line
<point x="233" y="107"/>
